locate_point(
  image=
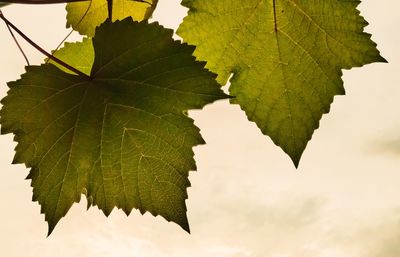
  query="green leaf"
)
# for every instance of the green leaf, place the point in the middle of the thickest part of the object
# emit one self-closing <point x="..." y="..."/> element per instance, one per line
<point x="79" y="55"/>
<point x="85" y="16"/>
<point x="286" y="57"/>
<point x="122" y="138"/>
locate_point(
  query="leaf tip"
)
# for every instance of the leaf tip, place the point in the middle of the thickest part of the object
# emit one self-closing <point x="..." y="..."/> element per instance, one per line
<point x="107" y="210"/>
<point x="296" y="157"/>
<point x="382" y="59"/>
<point x="185" y="226"/>
<point x="182" y="221"/>
<point x="296" y="163"/>
<point x="51" y="226"/>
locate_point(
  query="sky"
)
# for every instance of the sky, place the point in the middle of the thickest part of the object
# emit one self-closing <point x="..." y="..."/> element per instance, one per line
<point x="246" y="199"/>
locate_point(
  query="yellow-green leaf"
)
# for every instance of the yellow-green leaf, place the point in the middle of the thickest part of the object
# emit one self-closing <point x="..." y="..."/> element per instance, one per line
<point x="286" y="57"/>
<point x="85" y="16"/>
<point x="79" y="55"/>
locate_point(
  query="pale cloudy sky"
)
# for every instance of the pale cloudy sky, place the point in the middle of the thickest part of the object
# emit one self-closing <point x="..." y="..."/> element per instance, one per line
<point x="246" y="199"/>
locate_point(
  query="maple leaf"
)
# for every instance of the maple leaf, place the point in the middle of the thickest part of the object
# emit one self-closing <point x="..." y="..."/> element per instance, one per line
<point x="85" y="16"/>
<point x="286" y="57"/>
<point x="121" y="137"/>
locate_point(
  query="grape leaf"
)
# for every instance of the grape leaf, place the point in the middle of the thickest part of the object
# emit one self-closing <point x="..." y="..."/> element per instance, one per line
<point x="122" y="137"/>
<point x="85" y="16"/>
<point x="286" y="57"/>
<point x="79" y="55"/>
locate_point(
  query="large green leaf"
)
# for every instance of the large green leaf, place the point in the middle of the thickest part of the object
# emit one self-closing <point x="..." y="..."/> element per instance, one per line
<point x="85" y="16"/>
<point x="286" y="58"/>
<point x="122" y="137"/>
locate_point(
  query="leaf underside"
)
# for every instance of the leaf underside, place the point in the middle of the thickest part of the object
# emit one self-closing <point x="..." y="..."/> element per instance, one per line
<point x="85" y="16"/>
<point x="286" y="57"/>
<point x="121" y="138"/>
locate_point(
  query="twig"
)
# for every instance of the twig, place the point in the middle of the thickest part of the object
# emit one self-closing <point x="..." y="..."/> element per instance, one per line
<point x="69" y="34"/>
<point x="17" y="43"/>
<point x="53" y="58"/>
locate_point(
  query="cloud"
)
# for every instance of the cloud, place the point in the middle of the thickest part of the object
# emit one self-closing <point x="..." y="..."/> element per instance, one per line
<point x="289" y="214"/>
<point x="391" y="247"/>
<point x="387" y="145"/>
<point x="389" y="243"/>
<point x="392" y="146"/>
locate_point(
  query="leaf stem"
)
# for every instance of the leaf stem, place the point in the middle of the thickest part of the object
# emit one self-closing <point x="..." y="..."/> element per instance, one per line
<point x="53" y="58"/>
<point x="72" y="30"/>
<point x="17" y="43"/>
<point x="109" y="8"/>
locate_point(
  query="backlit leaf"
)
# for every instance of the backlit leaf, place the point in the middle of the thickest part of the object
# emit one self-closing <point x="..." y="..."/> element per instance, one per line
<point x="122" y="138"/>
<point x="85" y="16"/>
<point x="286" y="57"/>
<point x="79" y="55"/>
